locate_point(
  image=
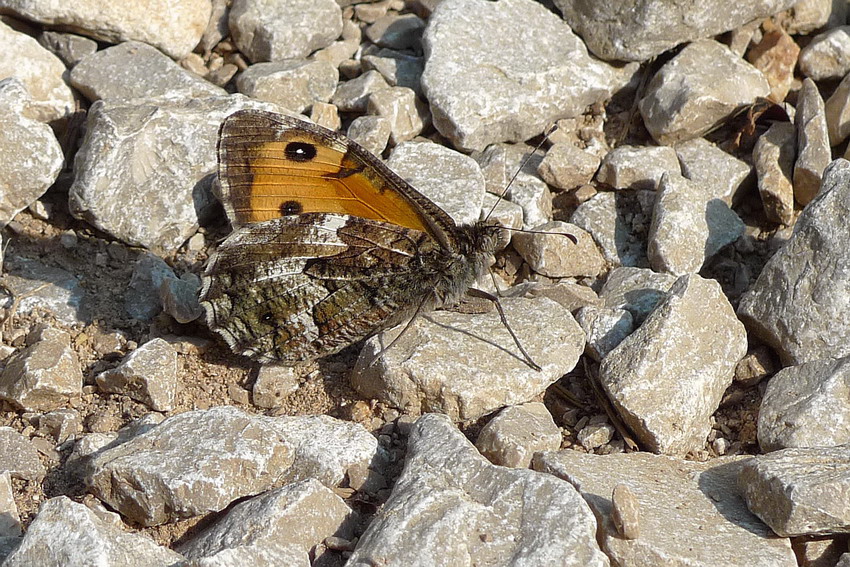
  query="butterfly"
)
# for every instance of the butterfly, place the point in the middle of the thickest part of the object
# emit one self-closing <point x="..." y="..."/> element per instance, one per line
<point x="329" y="246"/>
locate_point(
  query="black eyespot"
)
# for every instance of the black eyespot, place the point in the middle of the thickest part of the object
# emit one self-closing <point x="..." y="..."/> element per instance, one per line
<point x="300" y="151"/>
<point x="290" y="208"/>
<point x="267" y="317"/>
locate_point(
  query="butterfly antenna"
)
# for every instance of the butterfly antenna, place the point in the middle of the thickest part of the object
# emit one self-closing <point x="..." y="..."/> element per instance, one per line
<point x="522" y="165"/>
<point x="485" y="295"/>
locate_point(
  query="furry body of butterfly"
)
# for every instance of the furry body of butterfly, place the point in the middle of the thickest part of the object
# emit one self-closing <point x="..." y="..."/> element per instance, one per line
<point x="329" y="246"/>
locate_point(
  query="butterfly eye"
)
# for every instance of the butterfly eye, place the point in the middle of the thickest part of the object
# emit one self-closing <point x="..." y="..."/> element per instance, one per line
<point x="300" y="151"/>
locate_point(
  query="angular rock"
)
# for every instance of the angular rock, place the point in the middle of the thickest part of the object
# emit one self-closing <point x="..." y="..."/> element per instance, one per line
<point x="724" y="176"/>
<point x="178" y="469"/>
<point x="32" y="157"/>
<point x="775" y="56"/>
<point x="281" y="525"/>
<point x="39" y="71"/>
<point x="800" y="491"/>
<point x="326" y="115"/>
<point x="667" y="378"/>
<point x="689" y="226"/>
<point x="10" y="521"/>
<point x="605" y="327"/>
<point x="179" y="298"/>
<point x="396" y="31"/>
<point x="371" y="132"/>
<point x="402" y="110"/>
<point x="68" y="47"/>
<point x="637" y="290"/>
<point x="806" y="406"/>
<point x="534" y="197"/>
<point x="43" y="376"/>
<point x="594" y="435"/>
<point x="294" y="84"/>
<point x="67" y="533"/>
<point x="137" y="70"/>
<point x="566" y="167"/>
<point x="618" y="223"/>
<point x="273" y="384"/>
<point x="144" y="170"/>
<point x="773" y="155"/>
<point x="837" y="108"/>
<point x="450" y="179"/>
<point x="810" y="15"/>
<point x="550" y="254"/>
<point x="507" y="84"/>
<point x="637" y="31"/>
<point x="827" y="56"/>
<point x="291" y="29"/>
<point x="637" y="167"/>
<point x="480" y="513"/>
<point x="813" y="151"/>
<point x="399" y="69"/>
<point x="698" y="502"/>
<point x="799" y="305"/>
<point x="172" y="27"/>
<point x="503" y="213"/>
<point x="19" y="457"/>
<point x="147" y="375"/>
<point x="142" y="300"/>
<point x="697" y="89"/>
<point x="446" y="361"/>
<point x="567" y="293"/>
<point x="47" y="288"/>
<point x="516" y="433"/>
<point x="353" y="95"/>
<point x="61" y="424"/>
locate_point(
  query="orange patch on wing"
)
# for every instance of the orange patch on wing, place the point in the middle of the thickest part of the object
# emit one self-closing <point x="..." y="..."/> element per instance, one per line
<point x="330" y="182"/>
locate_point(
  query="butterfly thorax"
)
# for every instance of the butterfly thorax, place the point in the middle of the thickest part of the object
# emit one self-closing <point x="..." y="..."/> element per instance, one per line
<point x="455" y="270"/>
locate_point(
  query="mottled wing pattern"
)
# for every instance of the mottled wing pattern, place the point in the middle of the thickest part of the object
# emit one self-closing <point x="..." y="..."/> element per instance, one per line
<point x="300" y="287"/>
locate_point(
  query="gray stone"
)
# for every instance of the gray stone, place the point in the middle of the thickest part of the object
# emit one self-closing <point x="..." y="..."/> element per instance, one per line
<point x="68" y="47"/>
<point x="810" y="15"/>
<point x="773" y="155"/>
<point x="142" y="299"/>
<point x="625" y="511"/>
<point x="38" y="287"/>
<point x="32" y="157"/>
<point x="337" y="52"/>
<point x="800" y="303"/>
<point x="534" y="197"/>
<point x="618" y="223"/>
<point x="137" y="70"/>
<point x="806" y="406"/>
<point x="503" y="213"/>
<point x="144" y="170"/>
<point x="510" y="82"/>
<point x="10" y="521"/>
<point x="638" y="30"/>
<point x="689" y="226"/>
<point x="45" y="375"/>
<point x="19" y="457"/>
<point x="172" y="27"/>
<point x="556" y="256"/>
<point x="402" y="109"/>
<point x="179" y="298"/>
<point x="837" y="108"/>
<point x="605" y="327"/>
<point x="61" y="424"/>
<point x="326" y="115"/>
<point x="667" y="378"/>
<point x="290" y="29"/>
<point x="39" y="71"/>
<point x="371" y="132"/>
<point x="178" y="468"/>
<point x="446" y="361"/>
<point x="800" y="491"/>
<point x="147" y="375"/>
<point x="294" y="84"/>
<point x="273" y="384"/>
<point x="637" y="290"/>
<point x="723" y="175"/>
<point x="399" y="69"/>
<point x="284" y="524"/>
<point x="450" y="179"/>
<point x="353" y="95"/>
<point x="516" y="433"/>
<point x="568" y="294"/>
<point x="566" y="167"/>
<point x="480" y="513"/>
<point x="700" y="87"/>
<point x="637" y="167"/>
<point x="698" y="502"/>
<point x="827" y="56"/>
<point x="67" y="533"/>
<point x="595" y="435"/>
<point x="775" y="55"/>
<point x="813" y="151"/>
<point x="396" y="31"/>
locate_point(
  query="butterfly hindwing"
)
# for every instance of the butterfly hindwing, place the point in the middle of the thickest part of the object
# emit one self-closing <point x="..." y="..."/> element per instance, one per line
<point x="300" y="287"/>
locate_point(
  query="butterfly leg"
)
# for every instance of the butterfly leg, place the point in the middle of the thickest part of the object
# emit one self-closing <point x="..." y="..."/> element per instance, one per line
<point x="489" y="296"/>
<point x="407" y="325"/>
